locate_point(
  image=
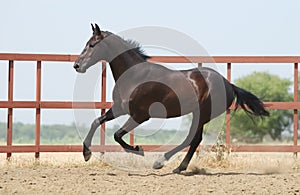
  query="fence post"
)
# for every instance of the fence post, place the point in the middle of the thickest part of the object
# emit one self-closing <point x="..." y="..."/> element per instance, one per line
<point x="103" y="99"/>
<point x="295" y="110"/>
<point x="131" y="137"/>
<point x="10" y="110"/>
<point x="228" y="111"/>
<point x="38" y="109"/>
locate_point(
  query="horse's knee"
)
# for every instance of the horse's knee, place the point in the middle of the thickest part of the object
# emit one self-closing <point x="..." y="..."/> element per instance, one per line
<point x="117" y="137"/>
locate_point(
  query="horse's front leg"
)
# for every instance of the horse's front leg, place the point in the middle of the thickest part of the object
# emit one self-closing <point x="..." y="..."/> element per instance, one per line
<point x="88" y="139"/>
<point x="127" y="127"/>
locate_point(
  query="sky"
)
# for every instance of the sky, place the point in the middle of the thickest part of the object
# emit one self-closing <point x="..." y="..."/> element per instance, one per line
<point x="232" y="27"/>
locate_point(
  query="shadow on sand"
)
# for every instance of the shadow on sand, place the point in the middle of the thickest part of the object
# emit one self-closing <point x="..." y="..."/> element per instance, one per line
<point x="197" y="171"/>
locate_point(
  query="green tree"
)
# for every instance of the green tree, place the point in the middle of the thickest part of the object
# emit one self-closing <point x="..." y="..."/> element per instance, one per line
<point x="270" y="88"/>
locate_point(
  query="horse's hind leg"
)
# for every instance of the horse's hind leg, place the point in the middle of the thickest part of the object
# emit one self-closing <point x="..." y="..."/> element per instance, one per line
<point x="88" y="139"/>
<point x="195" y="143"/>
<point x="127" y="127"/>
<point x="159" y="163"/>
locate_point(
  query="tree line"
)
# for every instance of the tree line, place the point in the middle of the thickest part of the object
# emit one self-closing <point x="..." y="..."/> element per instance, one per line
<point x="270" y="88"/>
<point x="69" y="134"/>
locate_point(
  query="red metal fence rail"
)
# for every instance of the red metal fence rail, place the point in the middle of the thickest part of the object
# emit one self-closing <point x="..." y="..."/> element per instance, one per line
<point x="39" y="104"/>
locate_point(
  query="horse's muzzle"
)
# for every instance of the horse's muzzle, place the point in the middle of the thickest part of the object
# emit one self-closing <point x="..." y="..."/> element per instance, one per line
<point x="76" y="66"/>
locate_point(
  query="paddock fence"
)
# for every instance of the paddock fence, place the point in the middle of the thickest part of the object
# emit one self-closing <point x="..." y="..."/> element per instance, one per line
<point x="38" y="104"/>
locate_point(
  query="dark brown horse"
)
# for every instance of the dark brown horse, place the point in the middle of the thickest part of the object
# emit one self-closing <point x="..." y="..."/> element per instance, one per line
<point x="147" y="90"/>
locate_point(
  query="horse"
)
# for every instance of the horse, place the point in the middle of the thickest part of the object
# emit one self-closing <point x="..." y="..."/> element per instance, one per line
<point x="145" y="90"/>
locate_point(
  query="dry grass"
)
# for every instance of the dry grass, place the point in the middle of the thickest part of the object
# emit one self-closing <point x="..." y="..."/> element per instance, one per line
<point x="245" y="162"/>
<point x="54" y="160"/>
<point x="296" y="165"/>
<point x="267" y="163"/>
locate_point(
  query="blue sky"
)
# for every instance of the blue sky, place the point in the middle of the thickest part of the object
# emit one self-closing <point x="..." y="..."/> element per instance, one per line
<point x="256" y="27"/>
<point x="223" y="27"/>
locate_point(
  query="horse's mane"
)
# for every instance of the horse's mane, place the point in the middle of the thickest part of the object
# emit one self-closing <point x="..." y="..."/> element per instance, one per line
<point x="136" y="46"/>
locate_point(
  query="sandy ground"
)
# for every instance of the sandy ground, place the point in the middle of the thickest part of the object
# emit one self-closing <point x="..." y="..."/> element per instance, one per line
<point x="126" y="174"/>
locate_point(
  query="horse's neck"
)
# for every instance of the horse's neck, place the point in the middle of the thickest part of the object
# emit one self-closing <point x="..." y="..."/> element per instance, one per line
<point x="124" y="62"/>
<point x="121" y="56"/>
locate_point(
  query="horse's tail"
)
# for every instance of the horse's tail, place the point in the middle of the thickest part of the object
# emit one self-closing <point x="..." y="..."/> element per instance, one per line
<point x="254" y="105"/>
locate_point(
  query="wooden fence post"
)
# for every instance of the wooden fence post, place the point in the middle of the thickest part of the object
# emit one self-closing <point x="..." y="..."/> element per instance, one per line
<point x="228" y="111"/>
<point x="10" y="110"/>
<point x="296" y="118"/>
<point x="38" y="109"/>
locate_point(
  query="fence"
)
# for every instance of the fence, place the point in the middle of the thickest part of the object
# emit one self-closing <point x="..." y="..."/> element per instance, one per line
<point x="39" y="104"/>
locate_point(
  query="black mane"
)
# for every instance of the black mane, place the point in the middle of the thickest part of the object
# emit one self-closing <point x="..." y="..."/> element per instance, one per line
<point x="136" y="46"/>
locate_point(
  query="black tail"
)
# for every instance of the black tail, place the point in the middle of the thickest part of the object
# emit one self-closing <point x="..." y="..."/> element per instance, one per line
<point x="254" y="105"/>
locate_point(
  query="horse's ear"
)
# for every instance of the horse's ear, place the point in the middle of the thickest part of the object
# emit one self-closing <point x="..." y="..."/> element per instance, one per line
<point x="96" y="30"/>
<point x="93" y="28"/>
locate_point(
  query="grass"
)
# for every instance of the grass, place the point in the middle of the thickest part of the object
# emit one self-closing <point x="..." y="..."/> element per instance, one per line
<point x="50" y="160"/>
<point x="211" y="161"/>
<point x="296" y="165"/>
<point x="267" y="163"/>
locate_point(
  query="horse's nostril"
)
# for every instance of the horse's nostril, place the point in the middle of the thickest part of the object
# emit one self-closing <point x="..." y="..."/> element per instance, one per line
<point x="76" y="66"/>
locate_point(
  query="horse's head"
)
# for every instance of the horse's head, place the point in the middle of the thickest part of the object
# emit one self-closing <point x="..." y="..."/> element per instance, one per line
<point x="94" y="51"/>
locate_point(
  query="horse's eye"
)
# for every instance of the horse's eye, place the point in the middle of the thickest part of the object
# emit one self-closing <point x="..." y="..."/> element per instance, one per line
<point x="91" y="45"/>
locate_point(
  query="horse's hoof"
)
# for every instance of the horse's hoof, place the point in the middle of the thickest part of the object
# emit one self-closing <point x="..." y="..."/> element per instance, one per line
<point x="159" y="163"/>
<point x="139" y="150"/>
<point x="178" y="170"/>
<point x="87" y="156"/>
<point x="86" y="153"/>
